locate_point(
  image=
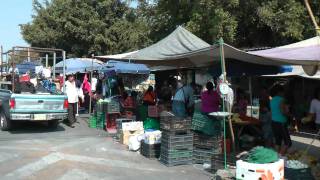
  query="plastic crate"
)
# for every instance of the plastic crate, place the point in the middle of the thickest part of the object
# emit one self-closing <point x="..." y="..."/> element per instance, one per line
<point x="177" y="142"/>
<point x="204" y="155"/>
<point x="174" y="124"/>
<point x="151" y="151"/>
<point x="175" y="153"/>
<point x="177" y="137"/>
<point x="100" y="107"/>
<point x="175" y="161"/>
<point x="206" y="142"/>
<point x="298" y="174"/>
<point x="204" y="124"/>
<point x="113" y="107"/>
<point x="101" y="119"/>
<point x="177" y="145"/>
<point x="93" y="122"/>
<point x="217" y="162"/>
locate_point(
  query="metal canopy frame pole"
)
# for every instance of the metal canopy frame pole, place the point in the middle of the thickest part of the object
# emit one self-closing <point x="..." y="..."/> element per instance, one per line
<point x="223" y="70"/>
<point x="91" y="74"/>
<point x="54" y="64"/>
<point x="47" y="60"/>
<point x="64" y="70"/>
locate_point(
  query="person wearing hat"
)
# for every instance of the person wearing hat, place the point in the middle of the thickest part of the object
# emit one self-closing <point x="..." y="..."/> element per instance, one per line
<point x="73" y="94"/>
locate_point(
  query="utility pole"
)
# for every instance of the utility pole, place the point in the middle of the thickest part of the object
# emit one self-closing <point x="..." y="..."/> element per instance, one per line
<point x="315" y="24"/>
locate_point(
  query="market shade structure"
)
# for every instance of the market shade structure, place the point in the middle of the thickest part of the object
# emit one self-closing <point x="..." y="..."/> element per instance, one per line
<point x="182" y="49"/>
<point x="296" y="71"/>
<point x="79" y="65"/>
<point x="125" y="68"/>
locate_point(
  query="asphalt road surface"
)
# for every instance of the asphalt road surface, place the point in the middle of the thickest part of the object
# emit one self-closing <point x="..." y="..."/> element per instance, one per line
<point x="33" y="151"/>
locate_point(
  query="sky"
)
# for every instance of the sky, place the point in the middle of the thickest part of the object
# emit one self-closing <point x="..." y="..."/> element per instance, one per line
<point x="13" y="13"/>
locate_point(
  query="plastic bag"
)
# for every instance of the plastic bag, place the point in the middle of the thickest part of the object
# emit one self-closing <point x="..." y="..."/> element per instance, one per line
<point x="151" y="123"/>
<point x="134" y="143"/>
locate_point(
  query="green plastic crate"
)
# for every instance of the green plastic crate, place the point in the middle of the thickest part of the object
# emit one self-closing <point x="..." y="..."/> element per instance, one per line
<point x="206" y="125"/>
<point x="93" y="122"/>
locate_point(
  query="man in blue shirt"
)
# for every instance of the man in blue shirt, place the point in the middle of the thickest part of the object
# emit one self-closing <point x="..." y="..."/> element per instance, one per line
<point x="183" y="100"/>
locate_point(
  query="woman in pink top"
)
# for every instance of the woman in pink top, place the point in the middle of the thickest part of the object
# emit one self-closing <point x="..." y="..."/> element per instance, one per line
<point x="210" y="99"/>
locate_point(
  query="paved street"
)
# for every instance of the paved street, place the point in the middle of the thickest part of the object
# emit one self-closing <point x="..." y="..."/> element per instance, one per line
<point x="32" y="151"/>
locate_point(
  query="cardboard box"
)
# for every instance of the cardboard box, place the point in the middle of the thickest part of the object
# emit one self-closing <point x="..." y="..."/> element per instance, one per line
<point x="125" y="135"/>
<point x="132" y="126"/>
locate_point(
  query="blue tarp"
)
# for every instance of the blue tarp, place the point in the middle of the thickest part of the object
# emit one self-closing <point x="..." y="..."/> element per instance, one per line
<point x="125" y="67"/>
<point x="79" y="65"/>
<point x="27" y="66"/>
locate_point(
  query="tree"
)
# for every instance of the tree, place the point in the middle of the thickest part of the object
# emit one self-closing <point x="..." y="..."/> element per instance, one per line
<point x="243" y="23"/>
<point x="83" y="27"/>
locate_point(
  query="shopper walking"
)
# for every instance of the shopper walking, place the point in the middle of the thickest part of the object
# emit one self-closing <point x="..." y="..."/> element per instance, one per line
<point x="279" y="115"/>
<point x="73" y="94"/>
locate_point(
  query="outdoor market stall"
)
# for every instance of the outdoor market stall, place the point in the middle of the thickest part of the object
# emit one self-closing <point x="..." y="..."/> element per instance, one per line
<point x="181" y="49"/>
<point x="119" y="81"/>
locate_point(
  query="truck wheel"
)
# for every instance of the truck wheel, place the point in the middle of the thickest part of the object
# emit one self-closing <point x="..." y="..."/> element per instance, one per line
<point x="5" y="123"/>
<point x="53" y="124"/>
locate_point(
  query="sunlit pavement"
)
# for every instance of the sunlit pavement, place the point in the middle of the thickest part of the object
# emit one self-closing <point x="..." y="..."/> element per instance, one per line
<point x="33" y="151"/>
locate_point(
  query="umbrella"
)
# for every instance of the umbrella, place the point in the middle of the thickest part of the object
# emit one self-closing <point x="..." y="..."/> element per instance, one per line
<point x="79" y="65"/>
<point x="125" y="68"/>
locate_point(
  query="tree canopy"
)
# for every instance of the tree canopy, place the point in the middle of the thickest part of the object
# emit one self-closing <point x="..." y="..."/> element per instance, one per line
<point x="83" y="27"/>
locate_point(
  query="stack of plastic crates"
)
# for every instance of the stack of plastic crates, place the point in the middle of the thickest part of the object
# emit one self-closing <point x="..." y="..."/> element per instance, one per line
<point x="101" y="116"/>
<point x="176" y="141"/>
<point x="93" y="122"/>
<point x="205" y="147"/>
<point x="151" y="151"/>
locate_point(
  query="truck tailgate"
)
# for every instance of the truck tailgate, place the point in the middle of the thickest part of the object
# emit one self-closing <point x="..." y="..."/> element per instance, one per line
<point x="38" y="103"/>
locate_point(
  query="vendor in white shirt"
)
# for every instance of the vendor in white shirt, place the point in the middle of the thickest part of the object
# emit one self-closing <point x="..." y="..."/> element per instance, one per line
<point x="73" y="94"/>
<point x="315" y="108"/>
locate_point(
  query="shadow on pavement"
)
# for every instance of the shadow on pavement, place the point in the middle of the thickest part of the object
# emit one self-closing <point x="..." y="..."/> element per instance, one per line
<point x="34" y="127"/>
